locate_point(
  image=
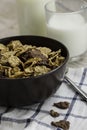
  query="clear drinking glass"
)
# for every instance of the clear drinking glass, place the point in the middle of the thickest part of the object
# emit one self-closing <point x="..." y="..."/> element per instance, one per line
<point x="31" y="17"/>
<point x="66" y="21"/>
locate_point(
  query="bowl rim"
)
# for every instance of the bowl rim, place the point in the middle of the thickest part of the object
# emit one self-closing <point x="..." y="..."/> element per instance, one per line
<point x="46" y="74"/>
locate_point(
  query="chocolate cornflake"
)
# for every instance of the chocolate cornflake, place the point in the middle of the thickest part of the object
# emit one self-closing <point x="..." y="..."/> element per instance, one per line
<point x="31" y="53"/>
<point x="54" y="113"/>
<point x="20" y="60"/>
<point x="62" y="124"/>
<point x="62" y="105"/>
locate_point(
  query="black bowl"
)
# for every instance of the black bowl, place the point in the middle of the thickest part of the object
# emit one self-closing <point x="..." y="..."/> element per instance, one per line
<point x="27" y="91"/>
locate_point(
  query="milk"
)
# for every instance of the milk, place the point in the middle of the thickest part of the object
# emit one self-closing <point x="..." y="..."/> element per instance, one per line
<point x="71" y="30"/>
<point x="31" y="17"/>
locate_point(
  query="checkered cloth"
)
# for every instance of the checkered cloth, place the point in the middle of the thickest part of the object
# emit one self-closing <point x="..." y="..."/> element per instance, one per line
<point x="37" y="117"/>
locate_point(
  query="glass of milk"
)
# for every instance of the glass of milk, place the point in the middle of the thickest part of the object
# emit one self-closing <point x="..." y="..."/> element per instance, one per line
<point x="66" y="21"/>
<point x="31" y="17"/>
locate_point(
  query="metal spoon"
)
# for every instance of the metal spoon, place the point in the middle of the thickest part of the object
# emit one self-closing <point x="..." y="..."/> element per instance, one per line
<point x="76" y="88"/>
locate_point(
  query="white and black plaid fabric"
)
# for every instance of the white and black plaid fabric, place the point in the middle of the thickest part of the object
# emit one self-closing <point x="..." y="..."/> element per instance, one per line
<point x="37" y="117"/>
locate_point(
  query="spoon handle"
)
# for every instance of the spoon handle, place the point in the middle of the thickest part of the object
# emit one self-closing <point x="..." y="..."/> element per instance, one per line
<point x="76" y="88"/>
